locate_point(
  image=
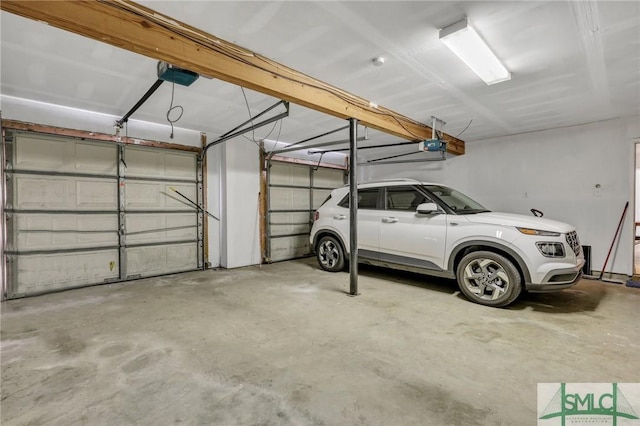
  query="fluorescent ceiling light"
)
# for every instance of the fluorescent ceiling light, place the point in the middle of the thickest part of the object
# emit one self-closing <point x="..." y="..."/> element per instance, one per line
<point x="465" y="42"/>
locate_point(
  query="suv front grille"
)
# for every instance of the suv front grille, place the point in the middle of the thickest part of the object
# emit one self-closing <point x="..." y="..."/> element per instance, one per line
<point x="574" y="242"/>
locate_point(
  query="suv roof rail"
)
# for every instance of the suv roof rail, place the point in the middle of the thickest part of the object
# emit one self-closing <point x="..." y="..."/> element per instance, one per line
<point x="394" y="180"/>
<point x="408" y="180"/>
<point x="402" y="180"/>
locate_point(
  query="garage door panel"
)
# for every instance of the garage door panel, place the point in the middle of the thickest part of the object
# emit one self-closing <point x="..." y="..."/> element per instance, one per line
<point x="279" y="230"/>
<point x="292" y="200"/>
<point x="158" y="260"/>
<point x="319" y="195"/>
<point x="64" y="193"/>
<point x="152" y="178"/>
<point x="144" y="195"/>
<point x="180" y="166"/>
<point x="289" y="217"/>
<point x="328" y="178"/>
<point x="96" y="194"/>
<point x="161" y="227"/>
<point x="40" y="192"/>
<point x="175" y="201"/>
<point x="33" y="154"/>
<point x="289" y="198"/>
<point x="40" y="153"/>
<point x="145" y="162"/>
<point x="67" y="231"/>
<point x="158" y="196"/>
<point x="48" y="272"/>
<point x="290" y="223"/>
<point x="94" y="158"/>
<point x="289" y="174"/>
<point x="289" y="247"/>
<point x="65" y="214"/>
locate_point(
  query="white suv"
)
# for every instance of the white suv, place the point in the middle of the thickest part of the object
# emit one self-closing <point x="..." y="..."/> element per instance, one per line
<point x="436" y="230"/>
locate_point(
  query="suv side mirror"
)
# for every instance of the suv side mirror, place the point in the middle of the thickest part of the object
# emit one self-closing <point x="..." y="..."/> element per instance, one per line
<point x="427" y="208"/>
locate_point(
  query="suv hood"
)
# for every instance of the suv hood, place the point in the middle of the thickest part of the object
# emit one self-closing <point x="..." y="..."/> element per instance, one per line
<point x="520" y="220"/>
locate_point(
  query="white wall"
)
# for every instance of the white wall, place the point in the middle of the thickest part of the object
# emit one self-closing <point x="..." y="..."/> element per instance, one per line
<point x="240" y="203"/>
<point x="555" y="171"/>
<point x="214" y="204"/>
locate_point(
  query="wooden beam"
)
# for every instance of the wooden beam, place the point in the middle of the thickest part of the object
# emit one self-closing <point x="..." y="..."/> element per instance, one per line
<point x="125" y="24"/>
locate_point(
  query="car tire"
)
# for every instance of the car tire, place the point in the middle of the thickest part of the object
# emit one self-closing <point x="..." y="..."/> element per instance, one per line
<point x="330" y="254"/>
<point x="489" y="279"/>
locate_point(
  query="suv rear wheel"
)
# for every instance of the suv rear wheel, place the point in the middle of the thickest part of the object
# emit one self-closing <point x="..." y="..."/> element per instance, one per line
<point x="489" y="279"/>
<point x="330" y="254"/>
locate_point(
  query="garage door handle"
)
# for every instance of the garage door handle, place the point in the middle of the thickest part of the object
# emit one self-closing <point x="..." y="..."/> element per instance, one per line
<point x="389" y="219"/>
<point x="339" y="217"/>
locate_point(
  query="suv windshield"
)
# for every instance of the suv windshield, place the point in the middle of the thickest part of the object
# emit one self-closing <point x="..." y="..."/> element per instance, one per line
<point x="455" y="200"/>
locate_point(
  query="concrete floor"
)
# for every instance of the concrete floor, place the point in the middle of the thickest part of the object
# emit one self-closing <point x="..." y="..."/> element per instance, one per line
<point x="284" y="345"/>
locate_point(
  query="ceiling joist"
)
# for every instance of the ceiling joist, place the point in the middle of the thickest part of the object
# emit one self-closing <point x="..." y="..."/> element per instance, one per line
<point x="133" y="27"/>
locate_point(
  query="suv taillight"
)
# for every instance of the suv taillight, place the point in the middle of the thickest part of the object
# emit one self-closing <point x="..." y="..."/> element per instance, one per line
<point x="316" y="215"/>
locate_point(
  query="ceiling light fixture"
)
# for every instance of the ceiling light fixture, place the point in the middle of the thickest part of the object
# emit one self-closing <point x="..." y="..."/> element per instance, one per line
<point x="465" y="42"/>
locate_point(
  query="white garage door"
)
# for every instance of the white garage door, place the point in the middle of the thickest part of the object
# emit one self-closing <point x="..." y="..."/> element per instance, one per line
<point x="72" y="221"/>
<point x="161" y="225"/>
<point x="295" y="191"/>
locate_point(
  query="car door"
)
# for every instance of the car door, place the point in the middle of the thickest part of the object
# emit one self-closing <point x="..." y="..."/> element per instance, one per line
<point x="407" y="237"/>
<point x="368" y="219"/>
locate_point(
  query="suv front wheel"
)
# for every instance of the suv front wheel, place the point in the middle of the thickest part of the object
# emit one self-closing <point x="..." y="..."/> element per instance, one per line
<point x="330" y="254"/>
<point x="489" y="279"/>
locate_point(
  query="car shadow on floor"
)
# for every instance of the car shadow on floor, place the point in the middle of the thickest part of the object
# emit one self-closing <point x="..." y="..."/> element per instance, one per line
<point x="574" y="299"/>
<point x="584" y="297"/>
<point x="442" y="285"/>
<point x="581" y="298"/>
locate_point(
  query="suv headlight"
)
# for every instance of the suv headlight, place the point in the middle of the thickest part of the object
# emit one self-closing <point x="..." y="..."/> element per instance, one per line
<point x="529" y="231"/>
<point x="551" y="249"/>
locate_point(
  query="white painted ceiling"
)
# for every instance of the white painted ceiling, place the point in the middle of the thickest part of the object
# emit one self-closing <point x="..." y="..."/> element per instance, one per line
<point x="571" y="63"/>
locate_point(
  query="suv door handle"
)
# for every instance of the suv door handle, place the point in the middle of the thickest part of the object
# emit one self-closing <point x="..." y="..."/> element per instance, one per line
<point x="339" y="217"/>
<point x="389" y="219"/>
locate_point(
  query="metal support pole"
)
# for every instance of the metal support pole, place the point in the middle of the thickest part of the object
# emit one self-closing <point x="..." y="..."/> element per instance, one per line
<point x="353" y="207"/>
